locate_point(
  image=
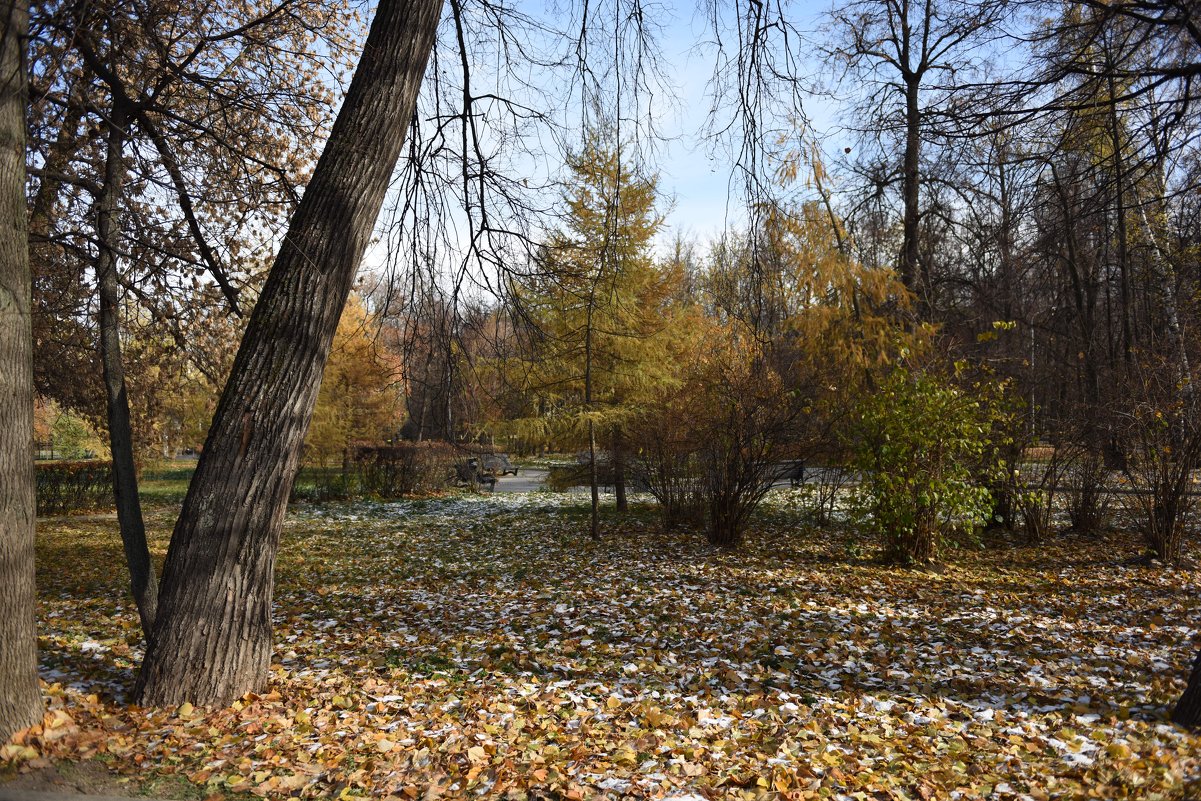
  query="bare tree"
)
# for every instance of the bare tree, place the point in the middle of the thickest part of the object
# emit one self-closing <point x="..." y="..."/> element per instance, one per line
<point x="910" y="59"/>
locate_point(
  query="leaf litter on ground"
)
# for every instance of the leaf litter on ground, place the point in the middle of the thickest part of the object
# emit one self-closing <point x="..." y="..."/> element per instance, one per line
<point x="482" y="646"/>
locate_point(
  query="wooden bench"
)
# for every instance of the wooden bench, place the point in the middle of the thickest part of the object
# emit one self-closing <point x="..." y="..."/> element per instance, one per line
<point x="497" y="464"/>
<point x="794" y="472"/>
<point x="468" y="474"/>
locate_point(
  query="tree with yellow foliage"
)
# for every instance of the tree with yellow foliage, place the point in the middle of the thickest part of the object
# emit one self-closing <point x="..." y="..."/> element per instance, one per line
<point x="359" y="398"/>
<point x="597" y="313"/>
<point x="793" y="327"/>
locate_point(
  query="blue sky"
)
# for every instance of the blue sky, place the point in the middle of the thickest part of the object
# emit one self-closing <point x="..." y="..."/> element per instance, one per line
<point x="695" y="173"/>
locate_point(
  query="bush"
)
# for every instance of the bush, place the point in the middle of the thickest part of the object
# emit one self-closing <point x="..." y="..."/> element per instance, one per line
<point x="818" y="496"/>
<point x="672" y="476"/>
<point x="1164" y="448"/>
<point x="1038" y="482"/>
<point x="710" y="450"/>
<point x="917" y="442"/>
<point x="396" y="471"/>
<point x="560" y="478"/>
<point x="381" y="471"/>
<point x="1088" y="497"/>
<point x="79" y="486"/>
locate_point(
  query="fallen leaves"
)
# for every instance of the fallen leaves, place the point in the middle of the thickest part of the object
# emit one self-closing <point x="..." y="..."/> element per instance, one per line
<point x="483" y="647"/>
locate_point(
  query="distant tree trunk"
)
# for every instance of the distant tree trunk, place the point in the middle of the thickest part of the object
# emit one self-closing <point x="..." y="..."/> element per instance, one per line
<point x="1119" y="170"/>
<point x="593" y="476"/>
<point x="125" y="479"/>
<point x="619" y="471"/>
<point x="20" y="699"/>
<point x="212" y="640"/>
<point x="911" y="273"/>
<point x="593" y="481"/>
<point x="1188" y="709"/>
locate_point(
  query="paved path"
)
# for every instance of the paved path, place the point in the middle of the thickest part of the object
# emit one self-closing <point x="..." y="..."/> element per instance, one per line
<point x="526" y="480"/>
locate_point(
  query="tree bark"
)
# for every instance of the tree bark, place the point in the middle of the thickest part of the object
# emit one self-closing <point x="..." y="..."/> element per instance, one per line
<point x="120" y="433"/>
<point x="20" y="699"/>
<point x="212" y="640"/>
<point x="1188" y="709"/>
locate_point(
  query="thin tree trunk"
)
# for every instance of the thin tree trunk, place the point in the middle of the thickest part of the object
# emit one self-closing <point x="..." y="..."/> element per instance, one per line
<point x="125" y="479"/>
<point x="1119" y="167"/>
<point x="212" y="640"/>
<point x="1005" y="235"/>
<point x="593" y="476"/>
<point x="619" y="471"/>
<point x="1164" y="276"/>
<point x="1083" y="295"/>
<point x="911" y="274"/>
<point x="20" y="699"/>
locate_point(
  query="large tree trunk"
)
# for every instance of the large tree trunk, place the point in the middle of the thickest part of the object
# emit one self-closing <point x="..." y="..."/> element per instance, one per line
<point x="212" y="640"/>
<point x="20" y="700"/>
<point x="1188" y="709"/>
<point x="125" y="479"/>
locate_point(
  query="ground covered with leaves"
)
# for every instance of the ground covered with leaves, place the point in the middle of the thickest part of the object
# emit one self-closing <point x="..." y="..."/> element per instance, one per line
<point x="482" y="646"/>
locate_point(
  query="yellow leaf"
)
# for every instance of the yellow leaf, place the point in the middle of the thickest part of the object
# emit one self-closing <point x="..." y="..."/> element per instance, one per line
<point x="1119" y="750"/>
<point x="625" y="756"/>
<point x="17" y="753"/>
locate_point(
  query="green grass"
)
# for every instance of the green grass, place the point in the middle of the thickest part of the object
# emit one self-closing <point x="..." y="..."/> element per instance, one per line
<point x="166" y="483"/>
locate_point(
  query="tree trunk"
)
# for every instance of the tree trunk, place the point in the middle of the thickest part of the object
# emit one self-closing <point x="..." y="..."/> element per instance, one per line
<point x="212" y="640"/>
<point x="619" y="471"/>
<point x="1119" y="170"/>
<point x="1188" y="709"/>
<point x="593" y="477"/>
<point x="593" y="482"/>
<point x="911" y="273"/>
<point x="125" y="479"/>
<point x="20" y="699"/>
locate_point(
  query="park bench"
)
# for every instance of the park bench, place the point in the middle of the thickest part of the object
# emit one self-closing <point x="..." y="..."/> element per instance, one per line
<point x="497" y="464"/>
<point x="468" y="474"/>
